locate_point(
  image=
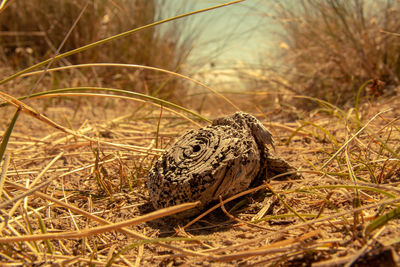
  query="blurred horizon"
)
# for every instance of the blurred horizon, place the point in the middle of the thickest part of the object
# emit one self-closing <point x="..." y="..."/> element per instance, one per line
<point x="308" y="47"/>
<point x="230" y="34"/>
<point x="230" y="38"/>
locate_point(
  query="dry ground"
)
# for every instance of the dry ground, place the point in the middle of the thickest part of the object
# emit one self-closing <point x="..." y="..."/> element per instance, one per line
<point x="303" y="222"/>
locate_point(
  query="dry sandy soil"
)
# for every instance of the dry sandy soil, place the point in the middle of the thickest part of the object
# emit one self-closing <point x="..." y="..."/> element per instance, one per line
<point x="303" y="222"/>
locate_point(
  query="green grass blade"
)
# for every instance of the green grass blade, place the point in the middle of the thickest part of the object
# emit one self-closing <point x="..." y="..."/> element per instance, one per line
<point x="135" y="66"/>
<point x="7" y="134"/>
<point x="158" y="126"/>
<point x="114" y="37"/>
<point x="382" y="220"/>
<point x="350" y="139"/>
<point x="336" y="110"/>
<point x="384" y="145"/>
<point x="285" y="216"/>
<point x="357" y="103"/>
<point x="133" y="94"/>
<point x="359" y="187"/>
<point x="43" y="229"/>
<point x="294" y="133"/>
<point x="3" y="174"/>
<point x="306" y="123"/>
<point x="356" y="201"/>
<point x="287" y="205"/>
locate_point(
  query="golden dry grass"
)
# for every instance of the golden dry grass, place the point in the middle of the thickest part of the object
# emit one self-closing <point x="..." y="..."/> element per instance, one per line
<point x="88" y="184"/>
<point x="328" y="49"/>
<point x="72" y="182"/>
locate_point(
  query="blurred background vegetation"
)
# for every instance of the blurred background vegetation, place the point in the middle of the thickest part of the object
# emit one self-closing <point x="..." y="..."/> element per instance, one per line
<point x="320" y="48"/>
<point x="31" y="31"/>
<point x="328" y="48"/>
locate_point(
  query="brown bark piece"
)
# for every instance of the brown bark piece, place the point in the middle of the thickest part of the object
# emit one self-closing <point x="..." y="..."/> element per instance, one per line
<point x="221" y="159"/>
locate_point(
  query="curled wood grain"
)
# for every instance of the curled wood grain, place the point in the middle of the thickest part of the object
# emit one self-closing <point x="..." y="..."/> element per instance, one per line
<point x="221" y="159"/>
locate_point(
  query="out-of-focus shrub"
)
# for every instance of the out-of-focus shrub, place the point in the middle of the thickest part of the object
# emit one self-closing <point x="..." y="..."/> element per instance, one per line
<point x="31" y="31"/>
<point x="329" y="48"/>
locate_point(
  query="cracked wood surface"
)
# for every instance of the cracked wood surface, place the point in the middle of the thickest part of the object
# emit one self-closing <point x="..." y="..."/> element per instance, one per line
<point x="218" y="160"/>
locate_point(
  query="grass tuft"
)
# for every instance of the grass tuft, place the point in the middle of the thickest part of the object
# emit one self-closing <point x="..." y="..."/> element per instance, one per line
<point x="329" y="49"/>
<point x="76" y="194"/>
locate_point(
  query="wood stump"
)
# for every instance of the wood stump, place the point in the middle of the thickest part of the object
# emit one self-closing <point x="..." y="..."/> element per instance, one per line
<point x="218" y="160"/>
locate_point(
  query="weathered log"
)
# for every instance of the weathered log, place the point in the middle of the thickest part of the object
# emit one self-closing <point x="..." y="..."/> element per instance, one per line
<point x="218" y="160"/>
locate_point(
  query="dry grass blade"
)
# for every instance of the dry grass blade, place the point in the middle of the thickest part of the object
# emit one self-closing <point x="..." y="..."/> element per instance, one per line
<point x="365" y="247"/>
<point x="252" y="190"/>
<point x="336" y="110"/>
<point x="27" y="193"/>
<point x="102" y="229"/>
<point x="3" y="174"/>
<point x="319" y="220"/>
<point x="224" y="202"/>
<point x="286" y="229"/>
<point x="59" y="48"/>
<point x="121" y="35"/>
<point x="101" y="220"/>
<point x="150" y="241"/>
<point x="287" y="205"/>
<point x="382" y="220"/>
<point x="237" y="219"/>
<point x="282" y="246"/>
<point x="112" y="120"/>
<point x="331" y="62"/>
<point x="370" y="187"/>
<point x="138" y="67"/>
<point x="392" y="33"/>
<point x="47" y="168"/>
<point x="2" y="4"/>
<point x="50" y="94"/>
<point x="394" y="153"/>
<point x="33" y="113"/>
<point x="351" y="138"/>
<point x="306" y="123"/>
<point x="357" y="103"/>
<point x="158" y="126"/>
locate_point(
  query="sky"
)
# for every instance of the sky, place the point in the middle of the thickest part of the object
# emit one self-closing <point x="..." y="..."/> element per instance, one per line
<point x="234" y="38"/>
<point x="231" y="34"/>
<point x="234" y="30"/>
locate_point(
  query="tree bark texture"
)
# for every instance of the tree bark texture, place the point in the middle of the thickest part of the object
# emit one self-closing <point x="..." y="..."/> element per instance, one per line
<point x="218" y="160"/>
